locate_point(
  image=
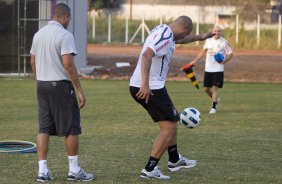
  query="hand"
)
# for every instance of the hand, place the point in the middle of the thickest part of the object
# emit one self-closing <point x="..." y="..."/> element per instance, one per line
<point x="207" y="35"/>
<point x="193" y="62"/>
<point x="81" y="99"/>
<point x="222" y="63"/>
<point x="144" y="93"/>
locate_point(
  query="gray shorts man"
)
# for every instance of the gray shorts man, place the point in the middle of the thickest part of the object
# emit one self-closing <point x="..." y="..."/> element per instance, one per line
<point x="58" y="88"/>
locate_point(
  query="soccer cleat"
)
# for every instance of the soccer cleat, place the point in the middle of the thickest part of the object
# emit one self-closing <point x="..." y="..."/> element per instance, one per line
<point x="80" y="176"/>
<point x="156" y="173"/>
<point x="181" y="163"/>
<point x="212" y="111"/>
<point x="44" y="177"/>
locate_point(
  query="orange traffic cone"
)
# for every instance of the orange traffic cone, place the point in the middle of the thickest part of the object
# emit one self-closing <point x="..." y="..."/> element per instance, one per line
<point x="188" y="69"/>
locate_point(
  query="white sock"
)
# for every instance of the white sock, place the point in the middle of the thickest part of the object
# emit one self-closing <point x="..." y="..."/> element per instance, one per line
<point x="73" y="164"/>
<point x="42" y="166"/>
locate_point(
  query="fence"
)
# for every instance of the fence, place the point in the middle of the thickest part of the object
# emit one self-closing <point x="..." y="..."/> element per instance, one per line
<point x="239" y="33"/>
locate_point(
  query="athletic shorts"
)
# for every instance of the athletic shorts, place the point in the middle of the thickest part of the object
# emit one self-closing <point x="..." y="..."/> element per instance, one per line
<point x="58" y="111"/>
<point x="213" y="79"/>
<point x="159" y="106"/>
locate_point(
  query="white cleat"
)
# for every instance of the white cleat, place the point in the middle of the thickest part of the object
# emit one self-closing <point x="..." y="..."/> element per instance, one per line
<point x="44" y="177"/>
<point x="80" y="176"/>
<point x="212" y="111"/>
<point x="156" y="173"/>
<point x="182" y="163"/>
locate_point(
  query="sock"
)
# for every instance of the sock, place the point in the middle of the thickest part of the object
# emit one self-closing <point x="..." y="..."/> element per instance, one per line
<point x="173" y="153"/>
<point x="214" y="105"/>
<point x="73" y="164"/>
<point x="152" y="163"/>
<point x="42" y="166"/>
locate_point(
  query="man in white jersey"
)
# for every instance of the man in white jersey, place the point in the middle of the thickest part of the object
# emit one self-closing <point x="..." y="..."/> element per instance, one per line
<point x="53" y="67"/>
<point x="147" y="87"/>
<point x="214" y="70"/>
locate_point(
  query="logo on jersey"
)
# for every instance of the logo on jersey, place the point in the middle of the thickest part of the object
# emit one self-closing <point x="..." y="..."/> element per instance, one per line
<point x="162" y="46"/>
<point x="163" y="38"/>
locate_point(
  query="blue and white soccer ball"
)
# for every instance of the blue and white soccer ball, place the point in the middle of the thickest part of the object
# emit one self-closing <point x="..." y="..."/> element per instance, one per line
<point x="190" y="117"/>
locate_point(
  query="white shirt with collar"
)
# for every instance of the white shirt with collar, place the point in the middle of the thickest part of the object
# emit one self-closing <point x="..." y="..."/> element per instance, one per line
<point x="48" y="45"/>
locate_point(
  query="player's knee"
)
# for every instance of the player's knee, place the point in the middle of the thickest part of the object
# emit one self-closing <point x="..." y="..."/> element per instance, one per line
<point x="170" y="132"/>
<point x="207" y="90"/>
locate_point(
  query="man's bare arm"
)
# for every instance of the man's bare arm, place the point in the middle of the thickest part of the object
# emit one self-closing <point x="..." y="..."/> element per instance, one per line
<point x="193" y="38"/>
<point x="145" y="91"/>
<point x="33" y="67"/>
<point x="71" y="71"/>
<point x="227" y="58"/>
<point x="199" y="56"/>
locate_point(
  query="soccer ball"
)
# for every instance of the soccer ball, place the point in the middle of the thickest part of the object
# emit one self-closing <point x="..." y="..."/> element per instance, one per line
<point x="219" y="57"/>
<point x="190" y="117"/>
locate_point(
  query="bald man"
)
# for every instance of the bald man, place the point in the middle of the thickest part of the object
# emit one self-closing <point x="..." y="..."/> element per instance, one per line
<point x="58" y="88"/>
<point x="147" y="87"/>
<point x="214" y="70"/>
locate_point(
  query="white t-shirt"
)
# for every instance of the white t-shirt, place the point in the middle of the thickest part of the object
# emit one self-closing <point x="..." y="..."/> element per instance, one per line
<point x="48" y="45"/>
<point x="214" y="46"/>
<point x="160" y="40"/>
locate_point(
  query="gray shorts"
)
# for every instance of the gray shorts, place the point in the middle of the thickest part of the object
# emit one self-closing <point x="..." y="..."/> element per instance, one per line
<point x="58" y="111"/>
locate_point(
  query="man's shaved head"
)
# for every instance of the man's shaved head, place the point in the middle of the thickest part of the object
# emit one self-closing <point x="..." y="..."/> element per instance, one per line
<point x="61" y="10"/>
<point x="185" y="22"/>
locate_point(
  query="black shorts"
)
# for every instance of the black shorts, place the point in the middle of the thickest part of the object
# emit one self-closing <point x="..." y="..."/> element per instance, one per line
<point x="213" y="79"/>
<point x="159" y="106"/>
<point x="58" y="112"/>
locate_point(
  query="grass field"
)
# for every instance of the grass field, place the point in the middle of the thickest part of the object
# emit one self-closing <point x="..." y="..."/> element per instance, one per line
<point x="242" y="143"/>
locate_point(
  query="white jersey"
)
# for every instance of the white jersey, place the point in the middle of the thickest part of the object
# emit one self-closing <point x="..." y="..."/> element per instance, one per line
<point x="214" y="46"/>
<point x="160" y="40"/>
<point x="48" y="45"/>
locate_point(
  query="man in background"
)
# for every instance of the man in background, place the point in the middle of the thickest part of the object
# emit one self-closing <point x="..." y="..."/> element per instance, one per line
<point x="58" y="88"/>
<point x="214" y="67"/>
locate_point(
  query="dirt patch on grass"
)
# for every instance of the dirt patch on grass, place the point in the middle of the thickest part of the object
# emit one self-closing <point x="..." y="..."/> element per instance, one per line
<point x="246" y="65"/>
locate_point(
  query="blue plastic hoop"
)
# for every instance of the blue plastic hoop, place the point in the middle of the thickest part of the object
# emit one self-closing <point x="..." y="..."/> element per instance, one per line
<point x="16" y="146"/>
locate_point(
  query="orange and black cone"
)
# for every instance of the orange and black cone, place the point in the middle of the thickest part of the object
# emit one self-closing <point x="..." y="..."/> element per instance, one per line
<point x="188" y="69"/>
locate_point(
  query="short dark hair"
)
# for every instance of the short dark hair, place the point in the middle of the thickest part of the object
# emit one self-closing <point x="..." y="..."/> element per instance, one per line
<point x="185" y="22"/>
<point x="61" y="9"/>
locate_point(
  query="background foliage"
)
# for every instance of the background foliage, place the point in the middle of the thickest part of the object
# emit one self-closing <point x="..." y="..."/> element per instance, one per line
<point x="247" y="38"/>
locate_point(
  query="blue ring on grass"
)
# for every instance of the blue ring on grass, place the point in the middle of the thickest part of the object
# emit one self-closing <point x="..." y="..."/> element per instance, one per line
<point x="17" y="146"/>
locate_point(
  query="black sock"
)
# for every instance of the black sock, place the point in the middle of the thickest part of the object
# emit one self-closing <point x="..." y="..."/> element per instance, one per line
<point x="173" y="153"/>
<point x="214" y="105"/>
<point x="152" y="163"/>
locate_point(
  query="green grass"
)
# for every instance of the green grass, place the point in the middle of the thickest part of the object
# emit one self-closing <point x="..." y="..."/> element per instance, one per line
<point x="242" y="143"/>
